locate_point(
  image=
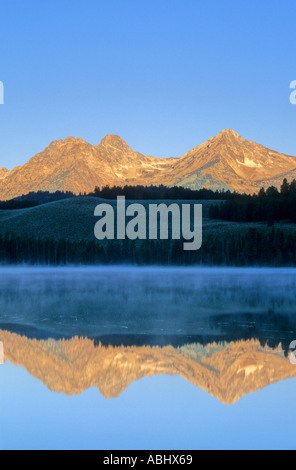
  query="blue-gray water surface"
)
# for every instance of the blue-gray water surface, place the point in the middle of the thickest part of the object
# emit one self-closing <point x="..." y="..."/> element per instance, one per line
<point x="163" y="331"/>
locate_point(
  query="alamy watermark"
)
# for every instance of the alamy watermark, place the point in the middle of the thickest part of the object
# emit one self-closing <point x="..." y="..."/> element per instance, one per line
<point x="1" y="353"/>
<point x="163" y="221"/>
<point x="293" y="94"/>
<point x="1" y="93"/>
<point x="292" y="354"/>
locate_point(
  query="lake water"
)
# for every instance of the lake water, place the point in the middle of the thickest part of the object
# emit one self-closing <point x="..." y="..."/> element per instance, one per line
<point x="131" y="358"/>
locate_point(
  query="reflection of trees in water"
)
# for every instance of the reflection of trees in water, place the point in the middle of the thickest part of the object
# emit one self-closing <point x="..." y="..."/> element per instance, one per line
<point x="270" y="329"/>
<point x="151" y="307"/>
<point x="225" y="370"/>
<point x="272" y="335"/>
<point x="248" y="293"/>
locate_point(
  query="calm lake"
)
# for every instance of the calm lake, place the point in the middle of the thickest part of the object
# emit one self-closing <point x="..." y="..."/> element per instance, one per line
<point x="134" y="358"/>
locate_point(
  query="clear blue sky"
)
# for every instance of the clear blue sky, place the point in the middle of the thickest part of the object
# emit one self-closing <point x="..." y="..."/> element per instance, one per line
<point x="159" y="412"/>
<point x="164" y="74"/>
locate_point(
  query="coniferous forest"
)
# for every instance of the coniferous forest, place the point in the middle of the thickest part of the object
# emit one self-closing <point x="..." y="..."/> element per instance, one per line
<point x="139" y="193"/>
<point x="271" y="247"/>
<point x="252" y="233"/>
<point x="269" y="205"/>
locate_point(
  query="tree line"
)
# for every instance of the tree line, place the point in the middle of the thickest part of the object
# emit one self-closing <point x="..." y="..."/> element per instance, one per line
<point x="268" y="205"/>
<point x="139" y="192"/>
<point x="34" y="199"/>
<point x="252" y="247"/>
<point x="161" y="192"/>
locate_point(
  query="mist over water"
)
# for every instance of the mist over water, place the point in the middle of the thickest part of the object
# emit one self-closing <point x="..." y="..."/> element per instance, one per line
<point x="104" y="302"/>
<point x="54" y="393"/>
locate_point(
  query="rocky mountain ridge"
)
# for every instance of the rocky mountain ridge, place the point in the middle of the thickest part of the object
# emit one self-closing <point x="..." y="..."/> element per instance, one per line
<point x="226" y="161"/>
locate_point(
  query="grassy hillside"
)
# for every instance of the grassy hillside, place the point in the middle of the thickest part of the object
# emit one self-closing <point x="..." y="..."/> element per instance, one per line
<point x="73" y="219"/>
<point x="63" y="232"/>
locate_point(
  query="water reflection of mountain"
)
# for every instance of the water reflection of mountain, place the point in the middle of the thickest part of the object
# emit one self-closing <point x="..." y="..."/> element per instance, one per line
<point x="270" y="329"/>
<point x="227" y="370"/>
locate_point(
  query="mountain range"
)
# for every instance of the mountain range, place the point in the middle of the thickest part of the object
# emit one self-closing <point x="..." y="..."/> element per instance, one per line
<point x="227" y="371"/>
<point x="226" y="161"/>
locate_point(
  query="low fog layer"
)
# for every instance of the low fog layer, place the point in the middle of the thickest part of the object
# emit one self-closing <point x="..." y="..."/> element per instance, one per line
<point x="94" y="302"/>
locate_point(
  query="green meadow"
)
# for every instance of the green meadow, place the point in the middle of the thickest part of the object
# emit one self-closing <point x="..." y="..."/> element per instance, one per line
<point x="66" y="230"/>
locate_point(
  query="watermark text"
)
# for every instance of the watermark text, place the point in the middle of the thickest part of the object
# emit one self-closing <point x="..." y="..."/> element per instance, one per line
<point x="1" y="353"/>
<point x="1" y="93"/>
<point x="163" y="221"/>
<point x="293" y="94"/>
